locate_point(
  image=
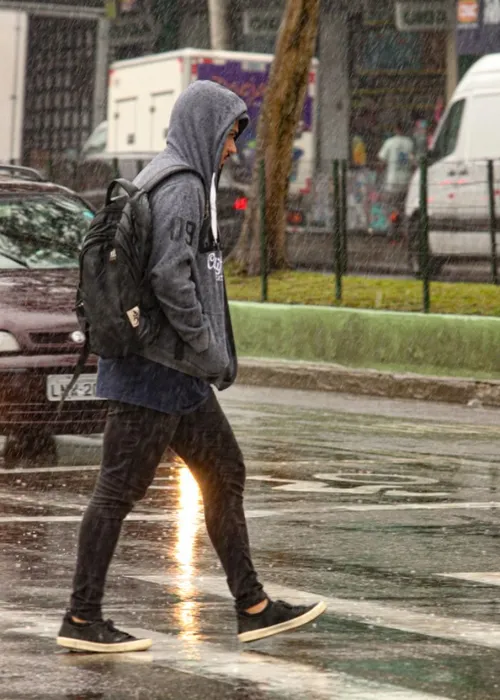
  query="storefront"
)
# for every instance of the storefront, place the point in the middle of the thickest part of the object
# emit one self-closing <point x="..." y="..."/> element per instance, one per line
<point x="478" y="31"/>
<point x="396" y="76"/>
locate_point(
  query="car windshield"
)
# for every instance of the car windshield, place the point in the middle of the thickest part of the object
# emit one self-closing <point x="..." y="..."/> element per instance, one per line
<point x="43" y="230"/>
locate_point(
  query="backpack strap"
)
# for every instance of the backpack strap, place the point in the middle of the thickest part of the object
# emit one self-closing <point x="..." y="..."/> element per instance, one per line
<point x="80" y="365"/>
<point x="150" y="184"/>
<point x="129" y="188"/>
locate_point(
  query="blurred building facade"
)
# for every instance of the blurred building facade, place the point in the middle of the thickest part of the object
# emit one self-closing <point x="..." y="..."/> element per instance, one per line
<point x="372" y="71"/>
<point x="65" y="75"/>
<point x="478" y="30"/>
<point x="385" y="71"/>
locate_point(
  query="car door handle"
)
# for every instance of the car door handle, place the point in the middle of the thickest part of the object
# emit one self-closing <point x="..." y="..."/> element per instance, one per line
<point x="461" y="170"/>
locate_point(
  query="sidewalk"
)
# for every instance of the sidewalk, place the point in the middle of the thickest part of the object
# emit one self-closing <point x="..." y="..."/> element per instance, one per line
<point x="373" y="254"/>
<point x="331" y="377"/>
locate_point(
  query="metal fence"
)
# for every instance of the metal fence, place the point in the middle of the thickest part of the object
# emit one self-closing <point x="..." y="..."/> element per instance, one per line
<point x="448" y="217"/>
<point x="456" y="217"/>
<point x="333" y="214"/>
<point x="366" y="208"/>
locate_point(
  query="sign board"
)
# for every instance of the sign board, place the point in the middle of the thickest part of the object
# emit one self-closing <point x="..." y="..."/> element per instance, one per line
<point x="424" y="16"/>
<point x="261" y="23"/>
<point x="467" y="13"/>
<point x="378" y="12"/>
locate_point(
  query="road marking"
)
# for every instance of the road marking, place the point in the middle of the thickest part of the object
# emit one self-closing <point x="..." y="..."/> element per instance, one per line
<point x="275" y="512"/>
<point x="142" y="517"/>
<point x="463" y="630"/>
<point x="357" y="483"/>
<point x="163" y="487"/>
<point x="490" y="578"/>
<point x="50" y="470"/>
<point x="62" y="468"/>
<point x="455" y="505"/>
<point x="210" y="660"/>
<point x="402" y="493"/>
<point x="150" y="517"/>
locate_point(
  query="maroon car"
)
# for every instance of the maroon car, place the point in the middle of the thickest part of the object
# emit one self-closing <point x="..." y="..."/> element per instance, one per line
<point x="41" y="229"/>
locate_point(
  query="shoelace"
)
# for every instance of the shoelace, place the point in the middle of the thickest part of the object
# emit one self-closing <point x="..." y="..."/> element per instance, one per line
<point x="124" y="635"/>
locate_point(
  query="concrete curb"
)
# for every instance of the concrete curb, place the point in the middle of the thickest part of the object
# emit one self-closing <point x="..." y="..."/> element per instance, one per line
<point x="346" y="337"/>
<point x="331" y="377"/>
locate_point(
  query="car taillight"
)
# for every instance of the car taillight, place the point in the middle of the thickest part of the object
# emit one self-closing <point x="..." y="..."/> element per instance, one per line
<point x="295" y="218"/>
<point x="240" y="204"/>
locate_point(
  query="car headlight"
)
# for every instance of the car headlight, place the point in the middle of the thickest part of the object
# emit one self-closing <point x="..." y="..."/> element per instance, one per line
<point x="8" y="343"/>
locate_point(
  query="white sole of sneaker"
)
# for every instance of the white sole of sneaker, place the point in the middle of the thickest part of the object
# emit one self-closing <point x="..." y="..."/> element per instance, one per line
<point x="82" y="645"/>
<point x="309" y="616"/>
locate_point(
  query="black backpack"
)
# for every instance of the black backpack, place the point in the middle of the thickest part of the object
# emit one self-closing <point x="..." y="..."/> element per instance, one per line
<point x="115" y="307"/>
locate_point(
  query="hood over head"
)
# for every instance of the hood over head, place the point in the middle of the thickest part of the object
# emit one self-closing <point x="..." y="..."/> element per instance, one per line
<point x="200" y="122"/>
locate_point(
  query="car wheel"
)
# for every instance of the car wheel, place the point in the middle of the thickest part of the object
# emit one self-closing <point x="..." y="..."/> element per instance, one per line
<point x="28" y="448"/>
<point x="436" y="263"/>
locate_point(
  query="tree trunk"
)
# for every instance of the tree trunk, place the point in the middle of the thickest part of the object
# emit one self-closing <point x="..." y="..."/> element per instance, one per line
<point x="279" y="117"/>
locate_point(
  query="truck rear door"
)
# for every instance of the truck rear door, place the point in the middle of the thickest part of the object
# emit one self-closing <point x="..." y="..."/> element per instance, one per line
<point x="161" y="108"/>
<point x="123" y="130"/>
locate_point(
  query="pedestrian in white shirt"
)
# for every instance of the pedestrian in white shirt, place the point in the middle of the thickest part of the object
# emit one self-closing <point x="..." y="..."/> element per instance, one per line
<point x="397" y="153"/>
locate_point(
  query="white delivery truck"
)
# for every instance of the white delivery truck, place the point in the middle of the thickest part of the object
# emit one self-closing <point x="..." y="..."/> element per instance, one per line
<point x="13" y="50"/>
<point x="142" y="92"/>
<point x="467" y="137"/>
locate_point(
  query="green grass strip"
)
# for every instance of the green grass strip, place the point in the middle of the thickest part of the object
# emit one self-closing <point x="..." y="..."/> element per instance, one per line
<point x="292" y="287"/>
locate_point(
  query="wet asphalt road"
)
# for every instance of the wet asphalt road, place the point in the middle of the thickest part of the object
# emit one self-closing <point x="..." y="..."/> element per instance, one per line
<point x="387" y="510"/>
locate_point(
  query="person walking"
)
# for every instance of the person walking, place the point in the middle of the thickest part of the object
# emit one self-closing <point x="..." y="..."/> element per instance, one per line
<point x="397" y="157"/>
<point x="163" y="398"/>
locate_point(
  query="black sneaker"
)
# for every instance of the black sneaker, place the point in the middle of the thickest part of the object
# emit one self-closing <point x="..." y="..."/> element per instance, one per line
<point x="99" y="636"/>
<point x="275" y="618"/>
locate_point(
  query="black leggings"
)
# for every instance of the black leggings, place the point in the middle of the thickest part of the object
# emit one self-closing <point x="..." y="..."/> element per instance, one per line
<point x="135" y="440"/>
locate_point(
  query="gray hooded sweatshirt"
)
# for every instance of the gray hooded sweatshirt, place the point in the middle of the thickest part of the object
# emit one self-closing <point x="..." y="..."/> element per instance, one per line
<point x="186" y="269"/>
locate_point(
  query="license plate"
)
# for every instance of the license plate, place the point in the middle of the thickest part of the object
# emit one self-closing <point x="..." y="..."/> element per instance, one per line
<point x="84" y="389"/>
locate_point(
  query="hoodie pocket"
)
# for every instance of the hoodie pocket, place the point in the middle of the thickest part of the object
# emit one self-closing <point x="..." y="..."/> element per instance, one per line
<point x="215" y="359"/>
<point x="208" y="276"/>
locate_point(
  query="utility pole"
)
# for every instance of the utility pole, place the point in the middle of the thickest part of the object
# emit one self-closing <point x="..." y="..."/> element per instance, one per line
<point x="451" y="54"/>
<point x="220" y="37"/>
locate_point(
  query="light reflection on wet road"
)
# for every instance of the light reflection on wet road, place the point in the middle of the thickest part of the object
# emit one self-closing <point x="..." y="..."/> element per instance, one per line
<point x="388" y="510"/>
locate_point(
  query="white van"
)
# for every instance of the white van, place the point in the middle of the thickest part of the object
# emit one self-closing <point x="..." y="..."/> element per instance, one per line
<point x="467" y="136"/>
